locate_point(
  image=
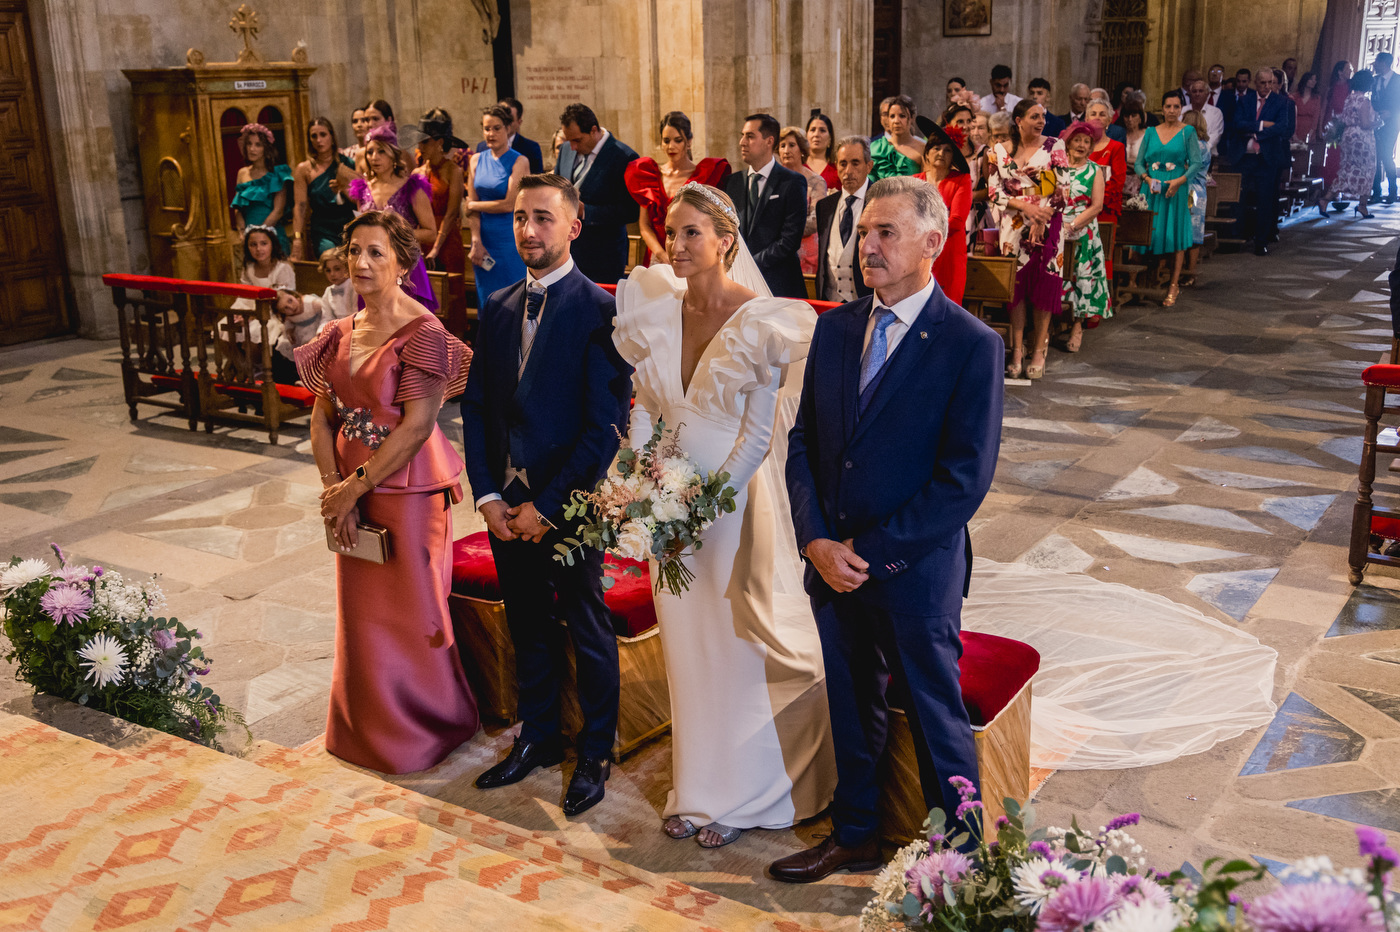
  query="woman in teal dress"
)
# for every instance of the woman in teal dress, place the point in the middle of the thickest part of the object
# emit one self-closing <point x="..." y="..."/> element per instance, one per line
<point x="899" y="152"/>
<point x="321" y="211"/>
<point x="492" y="184"/>
<point x="1168" y="161"/>
<point x="260" y="195"/>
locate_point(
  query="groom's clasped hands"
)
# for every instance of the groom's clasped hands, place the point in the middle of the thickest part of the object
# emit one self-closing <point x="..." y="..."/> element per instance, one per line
<point x="522" y="522"/>
<point x="838" y="563"/>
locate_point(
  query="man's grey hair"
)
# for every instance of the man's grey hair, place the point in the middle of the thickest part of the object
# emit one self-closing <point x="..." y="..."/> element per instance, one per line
<point x="999" y="122"/>
<point x="930" y="213"/>
<point x="862" y="141"/>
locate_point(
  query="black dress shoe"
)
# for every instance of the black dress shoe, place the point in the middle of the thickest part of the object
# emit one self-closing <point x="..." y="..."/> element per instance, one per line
<point x="1261" y="250"/>
<point x="586" y="785"/>
<point x="524" y="757"/>
<point x="825" y="859"/>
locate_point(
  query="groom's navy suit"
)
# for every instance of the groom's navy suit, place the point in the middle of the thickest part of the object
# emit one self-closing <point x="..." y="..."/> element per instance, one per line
<point x="902" y="479"/>
<point x="558" y="422"/>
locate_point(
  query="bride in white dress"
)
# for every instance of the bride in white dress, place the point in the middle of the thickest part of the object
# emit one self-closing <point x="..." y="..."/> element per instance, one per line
<point x="751" y="740"/>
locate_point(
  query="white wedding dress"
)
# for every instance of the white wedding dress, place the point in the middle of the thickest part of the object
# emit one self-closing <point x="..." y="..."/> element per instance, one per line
<point x="750" y="733"/>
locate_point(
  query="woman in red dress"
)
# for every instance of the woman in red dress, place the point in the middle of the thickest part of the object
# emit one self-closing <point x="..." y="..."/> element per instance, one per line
<point x="1111" y="155"/>
<point x="1337" y="90"/>
<point x="946" y="167"/>
<point x="821" y="140"/>
<point x="652" y="185"/>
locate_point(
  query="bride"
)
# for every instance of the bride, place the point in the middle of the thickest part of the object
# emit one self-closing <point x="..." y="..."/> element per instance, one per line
<point x="751" y="739"/>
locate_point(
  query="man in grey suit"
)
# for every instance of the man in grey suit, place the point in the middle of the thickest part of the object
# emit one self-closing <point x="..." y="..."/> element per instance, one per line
<point x="1385" y="100"/>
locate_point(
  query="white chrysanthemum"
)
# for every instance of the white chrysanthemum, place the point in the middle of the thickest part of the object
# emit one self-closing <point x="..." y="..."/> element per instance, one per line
<point x="1031" y="890"/>
<point x="677" y="474"/>
<point x="22" y="574"/>
<point x="634" y="541"/>
<point x="105" y="660"/>
<point x="1148" y="916"/>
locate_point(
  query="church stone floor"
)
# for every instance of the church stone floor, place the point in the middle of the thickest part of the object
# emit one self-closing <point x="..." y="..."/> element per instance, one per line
<point x="1205" y="452"/>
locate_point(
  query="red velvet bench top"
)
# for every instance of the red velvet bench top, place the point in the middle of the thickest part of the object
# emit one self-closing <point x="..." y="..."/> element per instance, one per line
<point x="629" y="599"/>
<point x="994" y="669"/>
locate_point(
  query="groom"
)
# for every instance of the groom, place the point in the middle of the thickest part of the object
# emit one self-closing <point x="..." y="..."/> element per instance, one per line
<point x="892" y="452"/>
<point x="545" y="402"/>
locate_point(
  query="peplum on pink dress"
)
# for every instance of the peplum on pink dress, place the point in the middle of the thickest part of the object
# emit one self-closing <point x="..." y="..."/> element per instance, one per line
<point x="399" y="698"/>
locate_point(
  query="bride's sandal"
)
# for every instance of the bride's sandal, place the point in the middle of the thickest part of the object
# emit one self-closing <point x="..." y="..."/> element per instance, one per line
<point x="679" y="828"/>
<point x="726" y="834"/>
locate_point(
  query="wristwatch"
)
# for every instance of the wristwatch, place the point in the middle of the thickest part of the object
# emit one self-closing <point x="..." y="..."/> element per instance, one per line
<point x="361" y="473"/>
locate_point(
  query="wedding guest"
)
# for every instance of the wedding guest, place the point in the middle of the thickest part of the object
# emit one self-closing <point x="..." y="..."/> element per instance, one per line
<point x="1215" y="80"/>
<point x="298" y="319"/>
<point x="320" y="211"/>
<point x="544" y="406"/>
<point x="338" y="300"/>
<point x="1211" y="117"/>
<point x="1232" y="147"/>
<point x="999" y="129"/>
<point x="839" y="276"/>
<point x="653" y="186"/>
<point x="772" y="204"/>
<point x="792" y="154"/>
<point x="1385" y="101"/>
<point x="358" y="125"/>
<point x="1039" y="91"/>
<point x="1027" y="188"/>
<point x="1078" y="104"/>
<point x="390" y="186"/>
<point x="954" y="87"/>
<point x="399" y="699"/>
<point x="1188" y="77"/>
<point x="1086" y="291"/>
<point x="821" y="140"/>
<point x="1338" y="89"/>
<point x="492" y="187"/>
<point x="1263" y="124"/>
<point x="526" y="147"/>
<point x="260" y="194"/>
<point x="1111" y="154"/>
<point x="946" y="168"/>
<point x="377" y="113"/>
<point x="1290" y="71"/>
<point x="1001" y="97"/>
<point x="595" y="162"/>
<point x="1356" y="169"/>
<point x="884" y="118"/>
<point x="1196" y="121"/>
<point x="1120" y="92"/>
<point x="899" y="151"/>
<point x="980" y="134"/>
<point x="1307" y="105"/>
<point x="265" y="265"/>
<point x="448" y="182"/>
<point x="1133" y="121"/>
<point x="1167" y="162"/>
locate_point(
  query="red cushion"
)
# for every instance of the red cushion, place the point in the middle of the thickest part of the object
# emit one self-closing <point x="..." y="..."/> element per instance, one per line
<point x="993" y="671"/>
<point x="293" y="394"/>
<point x="629" y="600"/>
<point x="1387" y="376"/>
<point x="182" y="286"/>
<point x="1386" y="527"/>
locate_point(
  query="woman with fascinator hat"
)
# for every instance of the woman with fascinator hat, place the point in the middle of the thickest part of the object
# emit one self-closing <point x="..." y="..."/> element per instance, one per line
<point x="1086" y="290"/>
<point x="719" y="357"/>
<point x="946" y="167"/>
<point x="448" y="183"/>
<point x="260" y="195"/>
<point x="389" y="185"/>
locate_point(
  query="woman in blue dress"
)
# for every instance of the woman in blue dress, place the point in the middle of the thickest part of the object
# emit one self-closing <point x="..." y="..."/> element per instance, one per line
<point x="1168" y="161"/>
<point x="260" y="195"/>
<point x="492" y="184"/>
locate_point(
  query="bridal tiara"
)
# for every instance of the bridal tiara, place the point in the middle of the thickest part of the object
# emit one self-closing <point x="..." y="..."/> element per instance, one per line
<point x="713" y="197"/>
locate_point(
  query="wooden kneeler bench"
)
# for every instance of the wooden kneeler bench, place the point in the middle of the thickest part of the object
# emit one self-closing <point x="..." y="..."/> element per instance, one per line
<point x="996" y="688"/>
<point x="488" y="654"/>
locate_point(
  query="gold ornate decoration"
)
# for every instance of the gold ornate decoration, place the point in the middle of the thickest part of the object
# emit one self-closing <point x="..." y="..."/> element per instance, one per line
<point x="299" y="53"/>
<point x="245" y="23"/>
<point x="194" y="58"/>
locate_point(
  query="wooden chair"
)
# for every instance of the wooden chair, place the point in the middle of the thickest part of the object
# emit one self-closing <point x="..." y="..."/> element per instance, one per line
<point x="235" y="350"/>
<point x="991" y="281"/>
<point x="1372" y="526"/>
<point x="1225" y="193"/>
<point x="1130" y="268"/>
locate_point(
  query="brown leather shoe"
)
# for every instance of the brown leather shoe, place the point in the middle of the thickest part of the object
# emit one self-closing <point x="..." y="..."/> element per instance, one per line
<point x="825" y="859"/>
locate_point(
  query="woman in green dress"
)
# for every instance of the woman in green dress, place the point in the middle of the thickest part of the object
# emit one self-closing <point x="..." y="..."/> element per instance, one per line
<point x="1086" y="290"/>
<point x="260" y="194"/>
<point x="320" y="210"/>
<point x="1168" y="161"/>
<point x="898" y="152"/>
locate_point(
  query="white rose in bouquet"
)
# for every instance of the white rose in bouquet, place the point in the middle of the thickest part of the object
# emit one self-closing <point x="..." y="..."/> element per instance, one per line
<point x="677" y="474"/>
<point x="634" y="541"/>
<point x="667" y="507"/>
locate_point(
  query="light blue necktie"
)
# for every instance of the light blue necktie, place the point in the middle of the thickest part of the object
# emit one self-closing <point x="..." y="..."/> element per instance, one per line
<point x="878" y="349"/>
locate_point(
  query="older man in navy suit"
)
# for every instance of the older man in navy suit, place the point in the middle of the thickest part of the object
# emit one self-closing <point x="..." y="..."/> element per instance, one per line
<point x="545" y="400"/>
<point x="595" y="161"/>
<point x="893" y="450"/>
<point x="1263" y="124"/>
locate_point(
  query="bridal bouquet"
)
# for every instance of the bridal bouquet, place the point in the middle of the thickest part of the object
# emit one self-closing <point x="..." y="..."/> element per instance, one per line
<point x="656" y="506"/>
<point x="1069" y="880"/>
<point x="88" y="635"/>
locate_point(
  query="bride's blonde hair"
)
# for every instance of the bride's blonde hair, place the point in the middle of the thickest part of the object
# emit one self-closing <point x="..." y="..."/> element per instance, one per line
<point x="716" y="205"/>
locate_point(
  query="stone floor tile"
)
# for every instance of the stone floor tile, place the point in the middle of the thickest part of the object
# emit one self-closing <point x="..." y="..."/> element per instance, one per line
<point x="1201" y="515"/>
<point x="1370" y="609"/>
<point x="1235" y="592"/>
<point x="1140" y="483"/>
<point x="1264" y="455"/>
<point x="1302" y="735"/>
<point x="1166" y="551"/>
<point x="1379" y="808"/>
<point x="1208" y="428"/>
<point x="1238" y="480"/>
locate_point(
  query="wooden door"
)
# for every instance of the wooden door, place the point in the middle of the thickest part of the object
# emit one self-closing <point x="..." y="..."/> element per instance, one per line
<point x="34" y="297"/>
<point x="887" y="30"/>
<point x="1123" y="42"/>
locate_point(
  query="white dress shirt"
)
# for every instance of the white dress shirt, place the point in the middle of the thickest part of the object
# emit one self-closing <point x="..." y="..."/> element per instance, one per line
<point x="763" y="173"/>
<point x="588" y="159"/>
<point x="1215" y="123"/>
<point x="531" y="284"/>
<point x="905" y="313"/>
<point x="989" y="105"/>
<point x="838" y="255"/>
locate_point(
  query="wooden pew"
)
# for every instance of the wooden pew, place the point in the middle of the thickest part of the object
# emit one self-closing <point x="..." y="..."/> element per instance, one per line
<point x="1225" y="192"/>
<point x="991" y="281"/>
<point x="1130" y="268"/>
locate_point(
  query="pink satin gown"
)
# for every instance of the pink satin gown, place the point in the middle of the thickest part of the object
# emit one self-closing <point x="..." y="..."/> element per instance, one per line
<point x="399" y="698"/>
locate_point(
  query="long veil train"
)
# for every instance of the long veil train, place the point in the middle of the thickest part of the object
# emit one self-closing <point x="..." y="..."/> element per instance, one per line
<point x="1127" y="678"/>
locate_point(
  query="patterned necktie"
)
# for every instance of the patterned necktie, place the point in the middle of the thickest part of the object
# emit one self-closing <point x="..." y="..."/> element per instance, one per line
<point x="878" y="349"/>
<point x="534" y="303"/>
<point x="577" y="173"/>
<point x="755" y="179"/>
<point x="848" y="219"/>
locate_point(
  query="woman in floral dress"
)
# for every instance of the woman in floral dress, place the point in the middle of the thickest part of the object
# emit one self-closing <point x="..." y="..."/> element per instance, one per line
<point x="1087" y="292"/>
<point x="1027" y="187"/>
<point x="1358" y="167"/>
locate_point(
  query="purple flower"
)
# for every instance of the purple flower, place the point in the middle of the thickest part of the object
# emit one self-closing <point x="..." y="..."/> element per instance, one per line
<point x="1373" y="845"/>
<point x="164" y="638"/>
<point x="1077" y="904"/>
<point x="1042" y="849"/>
<point x="66" y="604"/>
<point x="58" y="552"/>
<point x="965" y="787"/>
<point x="966" y="807"/>
<point x="1123" y="821"/>
<point x="1316" y="907"/>
<point x="928" y="875"/>
<point x="97" y="571"/>
<point x="1002" y="822"/>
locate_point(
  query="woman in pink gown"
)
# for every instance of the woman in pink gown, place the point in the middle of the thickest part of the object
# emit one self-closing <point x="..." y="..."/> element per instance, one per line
<point x="399" y="698"/>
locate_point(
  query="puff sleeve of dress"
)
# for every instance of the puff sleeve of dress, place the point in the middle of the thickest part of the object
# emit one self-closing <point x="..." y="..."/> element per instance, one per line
<point x="314" y="359"/>
<point x="433" y="361"/>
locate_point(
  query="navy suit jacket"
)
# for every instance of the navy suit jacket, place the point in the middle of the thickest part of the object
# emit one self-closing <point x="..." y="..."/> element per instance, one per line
<point x="904" y="478"/>
<point x="606" y="200"/>
<point x="1054" y="125"/>
<point x="526" y="147"/>
<point x="772" y="228"/>
<point x="1273" y="140"/>
<point x="561" y="419"/>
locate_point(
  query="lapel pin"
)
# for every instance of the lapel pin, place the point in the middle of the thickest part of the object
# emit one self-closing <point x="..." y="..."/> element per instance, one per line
<point x="923" y="334"/>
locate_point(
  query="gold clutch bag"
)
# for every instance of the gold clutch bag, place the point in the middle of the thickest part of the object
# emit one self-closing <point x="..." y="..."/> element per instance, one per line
<point x="372" y="544"/>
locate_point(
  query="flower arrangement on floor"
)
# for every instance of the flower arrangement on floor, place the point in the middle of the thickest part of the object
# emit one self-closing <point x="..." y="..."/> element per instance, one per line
<point x="656" y="506"/>
<point x="1069" y="880"/>
<point x="89" y="635"/>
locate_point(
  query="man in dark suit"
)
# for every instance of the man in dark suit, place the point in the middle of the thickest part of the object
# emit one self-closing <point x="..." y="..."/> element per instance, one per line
<point x="838" y="253"/>
<point x="893" y="450"/>
<point x="526" y="147"/>
<point x="545" y="399"/>
<point x="595" y="162"/>
<point x="1078" y="103"/>
<point x="772" y="205"/>
<point x="1263" y="127"/>
<point x="1385" y="100"/>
